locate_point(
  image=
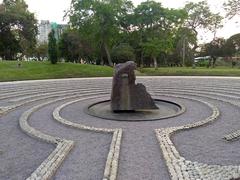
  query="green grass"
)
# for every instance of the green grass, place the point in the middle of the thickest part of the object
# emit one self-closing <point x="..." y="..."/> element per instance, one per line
<point x="9" y="71"/>
<point x="184" y="71"/>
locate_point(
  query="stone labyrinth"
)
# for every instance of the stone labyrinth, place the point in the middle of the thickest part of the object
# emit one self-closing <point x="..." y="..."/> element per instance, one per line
<point x="45" y="132"/>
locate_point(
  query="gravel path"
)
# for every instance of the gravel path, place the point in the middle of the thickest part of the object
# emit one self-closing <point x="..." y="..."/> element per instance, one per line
<point x="20" y="154"/>
<point x="141" y="156"/>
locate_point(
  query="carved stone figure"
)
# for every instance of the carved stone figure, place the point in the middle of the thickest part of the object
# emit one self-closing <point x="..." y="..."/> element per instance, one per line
<point x="126" y="95"/>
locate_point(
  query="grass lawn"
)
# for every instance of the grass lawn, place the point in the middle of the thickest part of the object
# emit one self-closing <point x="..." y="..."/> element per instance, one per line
<point x="184" y="71"/>
<point x="9" y="71"/>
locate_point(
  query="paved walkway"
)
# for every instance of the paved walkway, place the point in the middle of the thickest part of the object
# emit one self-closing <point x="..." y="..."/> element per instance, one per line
<point x="45" y="132"/>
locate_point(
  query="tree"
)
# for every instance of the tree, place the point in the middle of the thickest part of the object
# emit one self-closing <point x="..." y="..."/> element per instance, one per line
<point x="101" y="19"/>
<point x="214" y="49"/>
<point x="154" y="24"/>
<point x="72" y="47"/>
<point x="232" y="8"/>
<point x="144" y="17"/>
<point x="155" y="46"/>
<point x="122" y="53"/>
<point x="201" y="17"/>
<point x="18" y="29"/>
<point x="232" y="45"/>
<point x="184" y="41"/>
<point x="52" y="48"/>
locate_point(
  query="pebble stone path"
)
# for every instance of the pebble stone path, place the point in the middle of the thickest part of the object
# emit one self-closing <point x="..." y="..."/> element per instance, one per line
<point x="45" y="132"/>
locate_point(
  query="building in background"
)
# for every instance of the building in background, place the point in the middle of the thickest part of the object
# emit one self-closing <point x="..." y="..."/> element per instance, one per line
<point x="45" y="27"/>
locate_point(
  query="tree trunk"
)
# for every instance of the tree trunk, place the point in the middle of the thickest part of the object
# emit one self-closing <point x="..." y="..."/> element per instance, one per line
<point x="108" y="55"/>
<point x="155" y="62"/>
<point x="101" y="53"/>
<point x="141" y="61"/>
<point x="214" y="62"/>
<point x="209" y="63"/>
<point x="102" y="60"/>
<point x="184" y="51"/>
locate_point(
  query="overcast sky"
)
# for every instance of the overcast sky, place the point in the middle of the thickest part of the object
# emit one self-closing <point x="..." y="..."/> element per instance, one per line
<point x="53" y="10"/>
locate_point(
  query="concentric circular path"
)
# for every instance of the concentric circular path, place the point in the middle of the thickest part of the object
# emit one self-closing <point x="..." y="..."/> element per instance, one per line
<point x="45" y="132"/>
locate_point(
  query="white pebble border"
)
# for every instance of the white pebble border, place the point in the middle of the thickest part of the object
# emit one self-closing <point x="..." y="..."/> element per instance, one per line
<point x="48" y="165"/>
<point x="232" y="136"/>
<point x="6" y="109"/>
<point x="111" y="167"/>
<point x="106" y="173"/>
<point x="55" y="94"/>
<point x="182" y="169"/>
<point x="48" y="168"/>
<point x="178" y="166"/>
<point x="235" y="102"/>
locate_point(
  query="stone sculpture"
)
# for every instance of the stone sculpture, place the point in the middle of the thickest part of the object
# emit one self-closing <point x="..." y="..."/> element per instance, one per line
<point x="126" y="95"/>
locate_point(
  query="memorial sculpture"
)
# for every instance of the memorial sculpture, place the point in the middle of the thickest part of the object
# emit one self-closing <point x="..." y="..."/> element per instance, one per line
<point x="127" y="96"/>
<point x="130" y="101"/>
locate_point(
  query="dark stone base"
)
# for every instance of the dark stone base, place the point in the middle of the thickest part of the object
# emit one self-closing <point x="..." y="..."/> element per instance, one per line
<point x="166" y="109"/>
<point x="125" y="111"/>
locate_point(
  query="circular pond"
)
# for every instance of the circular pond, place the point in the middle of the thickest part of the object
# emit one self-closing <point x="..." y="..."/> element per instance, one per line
<point x="166" y="109"/>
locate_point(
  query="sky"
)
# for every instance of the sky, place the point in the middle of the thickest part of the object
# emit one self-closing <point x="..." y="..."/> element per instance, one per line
<point x="53" y="10"/>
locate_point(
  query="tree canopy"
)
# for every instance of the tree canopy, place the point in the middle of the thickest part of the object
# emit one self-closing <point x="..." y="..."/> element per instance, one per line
<point x="112" y="31"/>
<point x="232" y="45"/>
<point x="18" y="29"/>
<point x="101" y="20"/>
<point x="232" y="8"/>
<point x="153" y="32"/>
